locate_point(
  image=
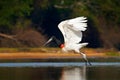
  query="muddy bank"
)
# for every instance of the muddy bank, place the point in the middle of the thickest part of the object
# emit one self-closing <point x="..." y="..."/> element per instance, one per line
<point x="39" y="55"/>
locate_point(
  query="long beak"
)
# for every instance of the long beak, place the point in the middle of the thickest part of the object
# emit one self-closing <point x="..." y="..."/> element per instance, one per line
<point x="51" y="39"/>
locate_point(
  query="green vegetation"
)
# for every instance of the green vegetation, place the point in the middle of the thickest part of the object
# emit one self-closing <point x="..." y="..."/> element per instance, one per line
<point x="113" y="53"/>
<point x="17" y="16"/>
<point x="16" y="50"/>
<point x="14" y="11"/>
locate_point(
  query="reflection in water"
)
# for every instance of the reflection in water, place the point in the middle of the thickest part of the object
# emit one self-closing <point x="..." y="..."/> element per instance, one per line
<point x="76" y="73"/>
<point x="59" y="71"/>
<point x="48" y="73"/>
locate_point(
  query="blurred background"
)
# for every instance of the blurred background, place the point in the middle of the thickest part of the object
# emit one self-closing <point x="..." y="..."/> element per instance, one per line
<point x="30" y="23"/>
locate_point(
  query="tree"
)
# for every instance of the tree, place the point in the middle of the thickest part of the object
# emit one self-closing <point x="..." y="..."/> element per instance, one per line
<point x="13" y="11"/>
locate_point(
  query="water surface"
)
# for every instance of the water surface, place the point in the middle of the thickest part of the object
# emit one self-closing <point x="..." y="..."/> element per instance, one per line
<point x="59" y="71"/>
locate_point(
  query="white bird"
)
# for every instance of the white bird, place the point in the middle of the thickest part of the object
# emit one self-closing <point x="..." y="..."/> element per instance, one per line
<point x="72" y="33"/>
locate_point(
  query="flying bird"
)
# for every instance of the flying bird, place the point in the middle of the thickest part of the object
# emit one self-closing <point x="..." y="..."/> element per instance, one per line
<point x="71" y="30"/>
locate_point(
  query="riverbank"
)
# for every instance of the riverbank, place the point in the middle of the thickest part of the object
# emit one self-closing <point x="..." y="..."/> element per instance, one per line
<point x="52" y="53"/>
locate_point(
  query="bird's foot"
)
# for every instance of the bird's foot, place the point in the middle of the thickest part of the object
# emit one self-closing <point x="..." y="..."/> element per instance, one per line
<point x="87" y="63"/>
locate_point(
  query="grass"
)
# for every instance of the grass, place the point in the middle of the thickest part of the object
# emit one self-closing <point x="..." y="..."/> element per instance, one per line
<point x="11" y="50"/>
<point x="112" y="53"/>
<point x="54" y="50"/>
<point x="8" y="50"/>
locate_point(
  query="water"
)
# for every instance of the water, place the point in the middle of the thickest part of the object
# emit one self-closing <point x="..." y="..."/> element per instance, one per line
<point x="59" y="71"/>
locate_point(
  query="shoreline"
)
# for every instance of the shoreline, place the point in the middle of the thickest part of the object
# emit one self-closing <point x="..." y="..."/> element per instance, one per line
<point x="39" y="55"/>
<point x="52" y="53"/>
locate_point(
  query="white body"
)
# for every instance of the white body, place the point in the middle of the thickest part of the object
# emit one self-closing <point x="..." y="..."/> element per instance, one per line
<point x="72" y="33"/>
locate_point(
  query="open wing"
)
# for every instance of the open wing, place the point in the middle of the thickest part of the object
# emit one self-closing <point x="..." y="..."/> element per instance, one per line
<point x="72" y="29"/>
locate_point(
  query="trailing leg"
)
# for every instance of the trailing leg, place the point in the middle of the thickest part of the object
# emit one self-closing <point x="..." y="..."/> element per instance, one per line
<point x="85" y="58"/>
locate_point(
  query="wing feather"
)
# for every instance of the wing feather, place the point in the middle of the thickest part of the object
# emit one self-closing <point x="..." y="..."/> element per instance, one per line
<point x="72" y="29"/>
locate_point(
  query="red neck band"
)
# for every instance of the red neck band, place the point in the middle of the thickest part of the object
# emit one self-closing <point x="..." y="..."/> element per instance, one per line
<point x="62" y="45"/>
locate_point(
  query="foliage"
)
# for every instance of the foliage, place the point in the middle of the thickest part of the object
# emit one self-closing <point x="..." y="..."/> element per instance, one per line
<point x="12" y="11"/>
<point x="44" y="15"/>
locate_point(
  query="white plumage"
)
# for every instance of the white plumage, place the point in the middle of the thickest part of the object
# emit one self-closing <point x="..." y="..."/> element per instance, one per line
<point x="72" y="33"/>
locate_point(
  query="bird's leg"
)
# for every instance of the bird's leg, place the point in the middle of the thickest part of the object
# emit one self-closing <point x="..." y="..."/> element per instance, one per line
<point x="85" y="58"/>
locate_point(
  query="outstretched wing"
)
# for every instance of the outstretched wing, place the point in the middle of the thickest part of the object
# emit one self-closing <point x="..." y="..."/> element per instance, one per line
<point x="72" y="29"/>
